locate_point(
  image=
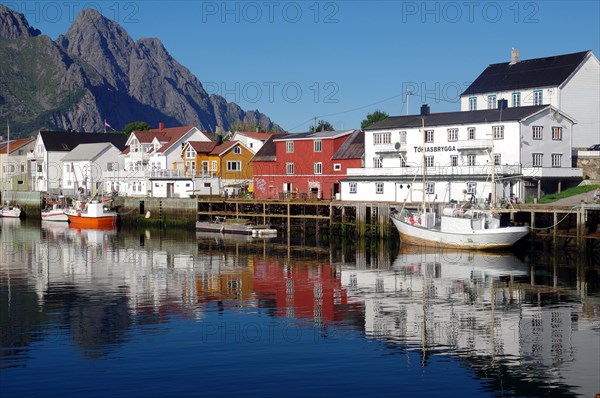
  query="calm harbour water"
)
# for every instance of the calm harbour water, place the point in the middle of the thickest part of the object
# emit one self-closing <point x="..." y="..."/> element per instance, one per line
<point x="167" y="313"/>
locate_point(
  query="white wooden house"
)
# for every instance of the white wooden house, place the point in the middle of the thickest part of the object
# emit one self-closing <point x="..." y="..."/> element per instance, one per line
<point x="569" y="82"/>
<point x="528" y="147"/>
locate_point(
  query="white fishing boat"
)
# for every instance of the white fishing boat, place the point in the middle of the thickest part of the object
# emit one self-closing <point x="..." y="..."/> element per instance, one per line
<point x="235" y="226"/>
<point x="458" y="226"/>
<point x="9" y="211"/>
<point x="55" y="211"/>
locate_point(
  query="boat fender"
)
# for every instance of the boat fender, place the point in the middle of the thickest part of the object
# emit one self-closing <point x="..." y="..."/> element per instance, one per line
<point x="411" y="220"/>
<point x="419" y="220"/>
<point x="78" y="214"/>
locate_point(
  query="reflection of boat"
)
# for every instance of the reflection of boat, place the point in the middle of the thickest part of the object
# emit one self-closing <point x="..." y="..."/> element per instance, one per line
<point x="241" y="227"/>
<point x="91" y="214"/>
<point x="55" y="212"/>
<point x="11" y="212"/>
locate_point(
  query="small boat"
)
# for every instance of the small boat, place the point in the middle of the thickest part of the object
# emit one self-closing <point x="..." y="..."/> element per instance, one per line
<point x="55" y="212"/>
<point x="91" y="214"/>
<point x="237" y="226"/>
<point x="11" y="212"/>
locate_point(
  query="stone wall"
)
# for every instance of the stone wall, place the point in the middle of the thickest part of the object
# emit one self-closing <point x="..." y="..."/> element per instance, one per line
<point x="590" y="166"/>
<point x="154" y="210"/>
<point x="30" y="202"/>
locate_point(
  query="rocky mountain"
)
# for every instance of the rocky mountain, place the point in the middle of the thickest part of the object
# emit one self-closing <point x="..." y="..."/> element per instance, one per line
<point x="96" y="72"/>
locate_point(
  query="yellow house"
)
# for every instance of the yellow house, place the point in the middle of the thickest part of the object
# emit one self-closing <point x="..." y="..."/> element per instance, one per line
<point x="229" y="161"/>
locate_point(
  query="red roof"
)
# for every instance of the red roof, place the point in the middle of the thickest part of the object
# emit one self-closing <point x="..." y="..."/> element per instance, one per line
<point x="255" y="135"/>
<point x="16" y="144"/>
<point x="223" y="147"/>
<point x="166" y="136"/>
<point x="202" y="146"/>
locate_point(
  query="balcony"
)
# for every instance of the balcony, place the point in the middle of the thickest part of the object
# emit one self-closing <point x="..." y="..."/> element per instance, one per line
<point x="438" y="171"/>
<point x="473" y="145"/>
<point x="383" y="149"/>
<point x="552" y="172"/>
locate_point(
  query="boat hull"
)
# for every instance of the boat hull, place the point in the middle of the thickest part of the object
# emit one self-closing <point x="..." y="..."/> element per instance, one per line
<point x="82" y="221"/>
<point x="233" y="228"/>
<point x="57" y="216"/>
<point x="485" y="239"/>
<point x="11" y="213"/>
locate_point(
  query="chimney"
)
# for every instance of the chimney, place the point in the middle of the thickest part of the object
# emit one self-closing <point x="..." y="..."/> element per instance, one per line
<point x="425" y="110"/>
<point x="161" y="126"/>
<point x="514" y="56"/>
<point x="219" y="139"/>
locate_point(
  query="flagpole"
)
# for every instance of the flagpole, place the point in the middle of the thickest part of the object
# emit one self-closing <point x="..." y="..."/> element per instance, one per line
<point x="105" y="126"/>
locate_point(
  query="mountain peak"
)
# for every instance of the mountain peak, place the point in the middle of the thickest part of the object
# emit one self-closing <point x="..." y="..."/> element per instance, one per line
<point x="14" y="24"/>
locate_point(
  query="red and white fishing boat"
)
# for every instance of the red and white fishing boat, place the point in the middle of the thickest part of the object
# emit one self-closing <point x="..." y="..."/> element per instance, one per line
<point x="55" y="211"/>
<point x="91" y="214"/>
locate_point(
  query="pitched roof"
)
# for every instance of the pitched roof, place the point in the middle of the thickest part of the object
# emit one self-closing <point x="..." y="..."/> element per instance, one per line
<point x="62" y="141"/>
<point x="16" y="144"/>
<point x="219" y="149"/>
<point x="202" y="146"/>
<point x="352" y="148"/>
<point x="89" y="152"/>
<point x="255" y="135"/>
<point x="529" y="73"/>
<point x="268" y="152"/>
<point x="452" y="118"/>
<point x="167" y="136"/>
<point x="322" y="135"/>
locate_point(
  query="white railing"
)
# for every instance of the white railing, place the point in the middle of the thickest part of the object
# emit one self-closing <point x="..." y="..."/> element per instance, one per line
<point x="473" y="144"/>
<point x="557" y="172"/>
<point x="411" y="171"/>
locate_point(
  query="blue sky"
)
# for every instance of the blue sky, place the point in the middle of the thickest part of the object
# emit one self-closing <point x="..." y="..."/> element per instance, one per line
<point x="339" y="60"/>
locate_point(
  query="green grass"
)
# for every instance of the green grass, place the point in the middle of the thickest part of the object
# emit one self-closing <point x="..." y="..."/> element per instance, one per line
<point x="566" y="193"/>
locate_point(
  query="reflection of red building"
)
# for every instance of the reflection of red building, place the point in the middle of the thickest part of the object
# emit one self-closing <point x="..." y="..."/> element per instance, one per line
<point x="306" y="165"/>
<point x="308" y="292"/>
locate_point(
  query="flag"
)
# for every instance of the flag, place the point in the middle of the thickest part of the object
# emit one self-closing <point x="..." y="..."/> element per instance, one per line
<point x="107" y="125"/>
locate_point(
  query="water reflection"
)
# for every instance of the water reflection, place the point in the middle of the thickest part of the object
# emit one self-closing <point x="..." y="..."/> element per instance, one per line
<point x="519" y="323"/>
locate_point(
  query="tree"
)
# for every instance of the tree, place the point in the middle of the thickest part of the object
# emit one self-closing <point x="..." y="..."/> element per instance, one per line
<point x="135" y="126"/>
<point x="322" y="125"/>
<point x="373" y="117"/>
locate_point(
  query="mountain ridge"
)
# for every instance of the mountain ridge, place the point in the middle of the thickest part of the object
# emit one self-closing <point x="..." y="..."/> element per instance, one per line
<point x="95" y="72"/>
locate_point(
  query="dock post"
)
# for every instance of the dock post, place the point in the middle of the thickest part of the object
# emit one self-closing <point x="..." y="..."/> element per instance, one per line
<point x="554" y="228"/>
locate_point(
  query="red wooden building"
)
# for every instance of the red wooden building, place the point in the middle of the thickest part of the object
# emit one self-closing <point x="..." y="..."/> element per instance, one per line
<point x="306" y="165"/>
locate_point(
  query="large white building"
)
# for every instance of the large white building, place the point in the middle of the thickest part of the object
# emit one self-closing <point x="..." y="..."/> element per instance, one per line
<point x="453" y="155"/>
<point x="569" y="82"/>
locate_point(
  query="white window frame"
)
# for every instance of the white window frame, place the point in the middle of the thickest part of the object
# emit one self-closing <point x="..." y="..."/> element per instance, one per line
<point x="214" y="165"/>
<point x="472" y="103"/>
<point x="471" y="133"/>
<point x="452" y="135"/>
<point x="289" y="146"/>
<point x="237" y="150"/>
<point x="557" y="133"/>
<point x="498" y="132"/>
<point x="429" y="161"/>
<point x="318" y="168"/>
<point x="497" y="159"/>
<point x="557" y="160"/>
<point x="537" y="132"/>
<point x="537" y="159"/>
<point x="472" y="188"/>
<point x="538" y="97"/>
<point x="289" y="167"/>
<point x="377" y="162"/>
<point x="352" y="187"/>
<point x="516" y="99"/>
<point x="382" y="138"/>
<point x="317" y="146"/>
<point x="190" y="152"/>
<point x="429" y="135"/>
<point x="231" y="163"/>
<point x="471" y="159"/>
<point x="379" y="188"/>
<point x="491" y="100"/>
<point x="337" y="166"/>
<point x="453" y="160"/>
<point x="430" y="188"/>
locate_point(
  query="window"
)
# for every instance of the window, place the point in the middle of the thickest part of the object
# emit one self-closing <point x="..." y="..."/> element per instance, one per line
<point x="498" y="132"/>
<point x="428" y="135"/>
<point x="453" y="160"/>
<point x="471" y="188"/>
<point x="289" y="146"/>
<point x="557" y="133"/>
<point x="232" y="165"/>
<point x="471" y="160"/>
<point x="491" y="102"/>
<point x="352" y="187"/>
<point x="497" y="159"/>
<point x="516" y="100"/>
<point x="190" y="152"/>
<point x="377" y="162"/>
<point x="237" y="150"/>
<point x="429" y="161"/>
<point x="452" y="134"/>
<point x="214" y="165"/>
<point x="39" y="168"/>
<point x="318" y="167"/>
<point x="471" y="133"/>
<point x="318" y="145"/>
<point x="472" y="103"/>
<point x="382" y="138"/>
<point x="430" y="189"/>
<point x="289" y="168"/>
<point x="537" y="159"/>
<point x="379" y="188"/>
<point x="337" y="167"/>
<point x="537" y="97"/>
<point x="537" y="132"/>
<point x="556" y="160"/>
<point x="109" y="166"/>
<point x="402" y="162"/>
